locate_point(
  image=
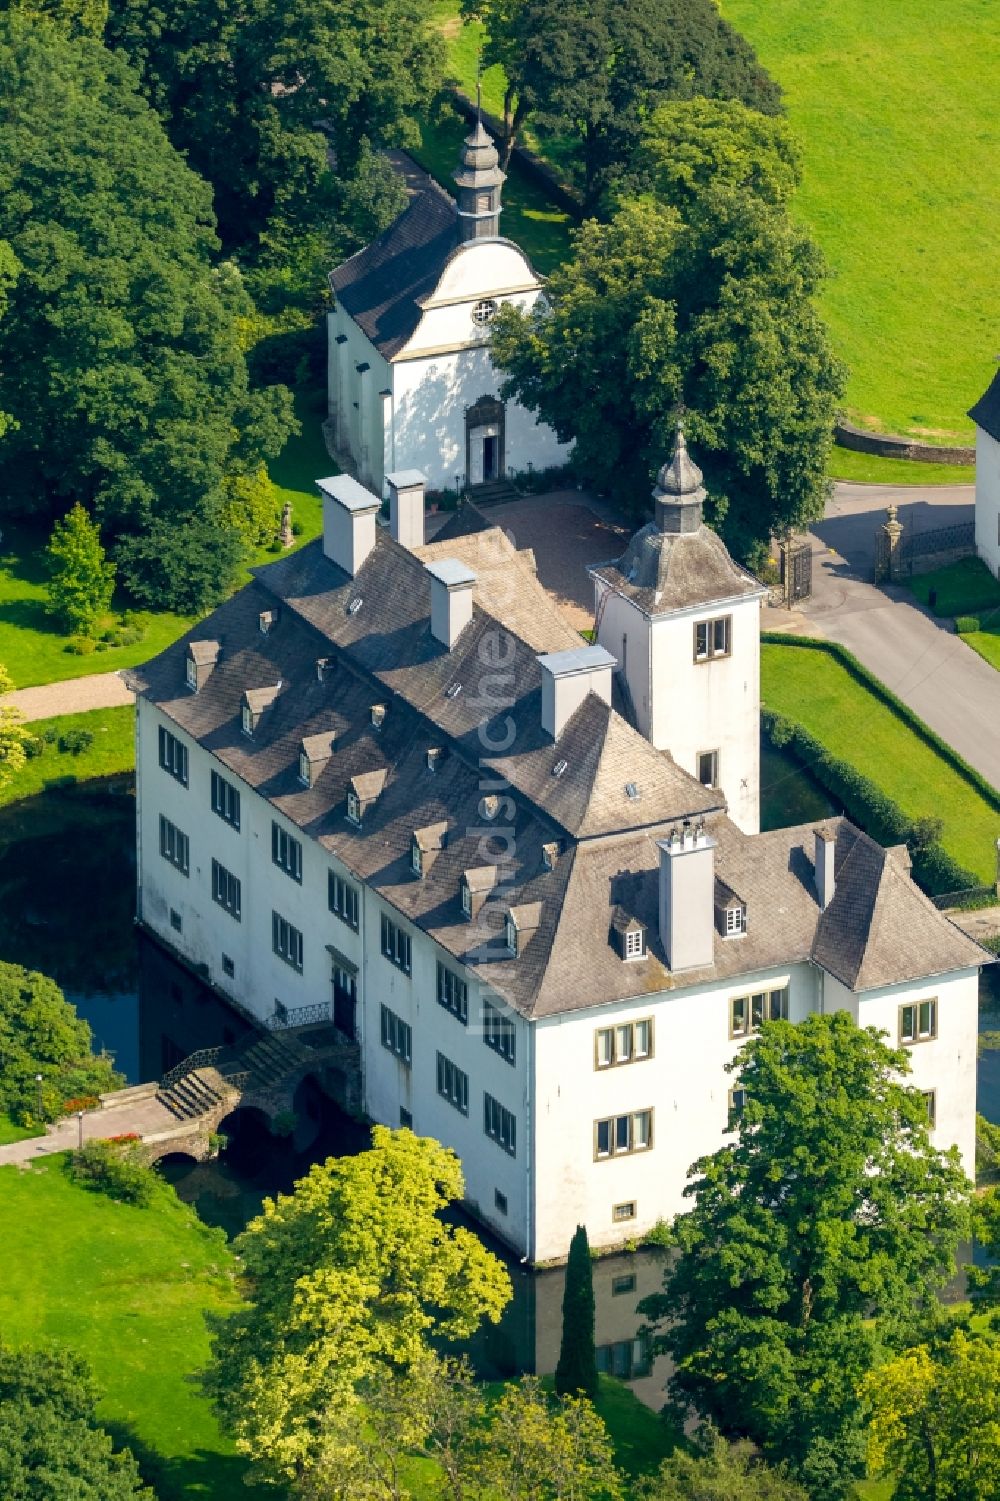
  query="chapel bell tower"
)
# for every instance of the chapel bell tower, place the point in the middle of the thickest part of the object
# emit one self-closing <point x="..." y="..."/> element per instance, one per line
<point x="479" y="180"/>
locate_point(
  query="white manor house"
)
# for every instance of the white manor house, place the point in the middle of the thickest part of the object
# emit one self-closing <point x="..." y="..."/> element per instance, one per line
<point x="387" y="780"/>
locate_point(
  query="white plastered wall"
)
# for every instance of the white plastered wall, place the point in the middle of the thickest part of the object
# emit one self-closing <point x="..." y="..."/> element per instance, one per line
<point x="355" y="402"/>
<point x="988" y="500"/>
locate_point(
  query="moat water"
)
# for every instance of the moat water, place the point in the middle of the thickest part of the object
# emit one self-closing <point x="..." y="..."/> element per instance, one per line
<point x="67" y="888"/>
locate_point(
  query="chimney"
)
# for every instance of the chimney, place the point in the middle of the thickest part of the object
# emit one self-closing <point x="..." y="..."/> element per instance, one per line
<point x="349" y="512"/>
<point x="451" y="599"/>
<point x="826" y="882"/>
<point x="406" y="507"/>
<point x="568" y="677"/>
<point x="687" y="898"/>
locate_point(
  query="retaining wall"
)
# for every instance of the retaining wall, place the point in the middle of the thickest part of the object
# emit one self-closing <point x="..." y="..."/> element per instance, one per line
<point x="891" y="446"/>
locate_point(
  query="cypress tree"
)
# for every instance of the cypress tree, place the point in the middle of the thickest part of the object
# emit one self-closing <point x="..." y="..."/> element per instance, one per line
<point x="577" y="1369"/>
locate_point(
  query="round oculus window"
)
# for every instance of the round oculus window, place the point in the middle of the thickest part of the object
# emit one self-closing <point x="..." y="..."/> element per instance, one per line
<point x="484" y="311"/>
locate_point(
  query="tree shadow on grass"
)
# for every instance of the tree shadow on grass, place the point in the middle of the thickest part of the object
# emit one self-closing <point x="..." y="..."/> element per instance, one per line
<point x="206" y="1473"/>
<point x="29" y="615"/>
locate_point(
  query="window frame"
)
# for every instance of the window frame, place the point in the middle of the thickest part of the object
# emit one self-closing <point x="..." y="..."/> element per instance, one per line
<point x="342" y="896"/>
<point x="222" y="896"/>
<point x="173" y="755"/>
<point x="286" y="852"/>
<point x="179" y="854"/>
<point x="714" y="758"/>
<point x="613" y="1123"/>
<point x="452" y="1084"/>
<point x="634" y="936"/>
<point x="287" y="942"/>
<point x="396" y="1035"/>
<point x="396" y="945"/>
<point x="634" y="1055"/>
<point x="305" y="769"/>
<point x="355" y="811"/>
<point x="499" y="1124"/>
<point x="455" y="1003"/>
<point x="626" y="1210"/>
<point x="930" y="1100"/>
<point x="712" y="651"/>
<point x="747" y="999"/>
<point x="225" y="800"/>
<point x="919" y="1036"/>
<point x="499" y="1033"/>
<point x="736" y="921"/>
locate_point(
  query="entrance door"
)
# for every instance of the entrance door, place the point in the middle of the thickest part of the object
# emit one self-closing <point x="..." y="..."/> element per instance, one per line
<point x="345" y="1000"/>
<point x="484" y="441"/>
<point x="490" y="457"/>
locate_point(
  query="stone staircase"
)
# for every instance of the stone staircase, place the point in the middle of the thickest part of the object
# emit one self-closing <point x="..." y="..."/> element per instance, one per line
<point x="492" y="492"/>
<point x="198" y="1093"/>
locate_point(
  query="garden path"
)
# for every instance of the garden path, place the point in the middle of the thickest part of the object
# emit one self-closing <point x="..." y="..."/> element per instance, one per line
<point x="916" y="655"/>
<point x="101" y="690"/>
<point x="145" y="1116"/>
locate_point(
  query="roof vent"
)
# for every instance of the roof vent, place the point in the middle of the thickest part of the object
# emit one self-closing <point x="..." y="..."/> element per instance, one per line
<point x="453" y="690"/>
<point x="550" y="853"/>
<point x="355" y="605"/>
<point x="267" y="620"/>
<point x="349" y="512"/>
<point x="568" y="677"/>
<point x="324" y="668"/>
<point x="631" y="791"/>
<point x="489" y="806"/>
<point x="434" y="758"/>
<point x="378" y="716"/>
<point x="559" y="768"/>
<point x="452" y="585"/>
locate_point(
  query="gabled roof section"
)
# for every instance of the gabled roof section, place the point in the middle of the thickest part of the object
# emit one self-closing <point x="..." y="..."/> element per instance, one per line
<point x="879" y="929"/>
<point x="381" y="286"/>
<point x="661" y="571"/>
<point x="986" y="412"/>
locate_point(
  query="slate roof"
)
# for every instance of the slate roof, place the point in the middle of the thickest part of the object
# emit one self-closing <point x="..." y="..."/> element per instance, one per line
<point x="662" y="571"/>
<point x="877" y="929"/>
<point x="986" y="412"/>
<point x="381" y="286"/>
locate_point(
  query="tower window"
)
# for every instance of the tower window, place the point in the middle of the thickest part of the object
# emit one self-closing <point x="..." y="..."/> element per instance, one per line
<point x="485" y="309"/>
<point x="708" y="768"/>
<point x="713" y="638"/>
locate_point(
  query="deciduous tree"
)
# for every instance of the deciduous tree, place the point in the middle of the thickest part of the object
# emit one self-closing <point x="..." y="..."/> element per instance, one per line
<point x="82" y="580"/>
<point x="120" y="352"/>
<point x="576" y="1370"/>
<point x="718" y="1471"/>
<point x="347" y="1277"/>
<point x="13" y="733"/>
<point x="543" y="1449"/>
<point x="41" y="1033"/>
<point x="935" y="1424"/>
<point x="815" y="1239"/>
<point x="714" y="313"/>
<point x="592" y="75"/>
<point x="690" y="146"/>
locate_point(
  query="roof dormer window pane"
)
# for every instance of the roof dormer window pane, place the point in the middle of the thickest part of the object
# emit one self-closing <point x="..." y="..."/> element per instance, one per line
<point x="354" y="807"/>
<point x="416" y="859"/>
<point x="736" y="921"/>
<point x="634" y="944"/>
<point x="246" y="719"/>
<point x="466" y="899"/>
<point x="304" y="774"/>
<point x="191" y="674"/>
<point x="511" y="935"/>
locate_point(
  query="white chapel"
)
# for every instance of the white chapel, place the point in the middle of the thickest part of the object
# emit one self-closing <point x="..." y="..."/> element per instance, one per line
<point x="986" y="415"/>
<point x="411" y="385"/>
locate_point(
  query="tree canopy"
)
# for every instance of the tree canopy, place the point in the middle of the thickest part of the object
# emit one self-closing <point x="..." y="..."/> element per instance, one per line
<point x="591" y="75"/>
<point x="816" y="1239"/>
<point x="41" y="1033"/>
<point x="276" y="105"/>
<point x="712" y="314"/>
<point x="51" y="1445"/>
<point x="348" y="1276"/>
<point x="718" y="1471"/>
<point x="13" y="733"/>
<point x="576" y="1370"/>
<point x="82" y="581"/>
<point x="120" y="350"/>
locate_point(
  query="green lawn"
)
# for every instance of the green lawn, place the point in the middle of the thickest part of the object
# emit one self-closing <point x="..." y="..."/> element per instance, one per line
<point x="869" y="469"/>
<point x="10" y="1133"/>
<point x="895" y="106"/>
<point x="128" y="1288"/>
<point x="963" y="588"/>
<point x="986" y="643"/>
<point x="112" y="751"/>
<point x="814" y="689"/>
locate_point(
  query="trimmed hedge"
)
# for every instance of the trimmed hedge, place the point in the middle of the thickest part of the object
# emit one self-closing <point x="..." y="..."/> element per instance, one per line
<point x="967" y="625"/>
<point x="903" y="712"/>
<point x="868" y="806"/>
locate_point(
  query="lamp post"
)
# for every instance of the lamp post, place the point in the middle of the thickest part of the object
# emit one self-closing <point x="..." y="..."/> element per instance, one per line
<point x="38" y="1087"/>
<point x="79" y="1121"/>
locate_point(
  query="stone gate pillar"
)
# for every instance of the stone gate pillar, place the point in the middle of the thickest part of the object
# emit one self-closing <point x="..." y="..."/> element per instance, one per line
<point x="893" y="530"/>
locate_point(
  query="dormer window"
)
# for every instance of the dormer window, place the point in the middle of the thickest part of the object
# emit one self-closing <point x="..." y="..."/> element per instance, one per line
<point x="363" y="790"/>
<point x="305" y="776"/>
<point x="510" y="935"/>
<point x="466" y="898"/>
<point x="736" y="921"/>
<point x="256" y="702"/>
<point x="416" y="859"/>
<point x="378" y="716"/>
<point x="324" y="668"/>
<point x="247" y="718"/>
<point x="426" y="845"/>
<point x="435" y="756"/>
<point x="191" y="674"/>
<point x="628" y="935"/>
<point x="550" y="854"/>
<point x="635" y="944"/>
<point x="730" y="911"/>
<point x="353" y="807"/>
<point x="200" y="663"/>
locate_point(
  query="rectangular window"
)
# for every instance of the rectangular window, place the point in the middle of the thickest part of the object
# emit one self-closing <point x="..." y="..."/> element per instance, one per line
<point x="452" y="993"/>
<point x="226" y="890"/>
<point x="708" y="768"/>
<point x="713" y="638"/>
<point x="621" y="1134"/>
<point x="737" y="1104"/>
<point x="918" y="1022"/>
<point x="175" y="920"/>
<point x="748" y="1013"/>
<point x="286" y="852"/>
<point x="225" y="800"/>
<point x="343" y="899"/>
<point x="396" y="945"/>
<point x="930" y="1100"/>
<point x="173" y="757"/>
<point x="625" y="1359"/>
<point x="452" y="1084"/>
<point x="627" y="1043"/>
<point x="500" y="1201"/>
<point x="406" y="1118"/>
<point x="174" y="846"/>
<point x="397" y="1036"/>
<point x="228" y="967"/>
<point x="634" y="943"/>
<point x="498" y="1032"/>
<point x="286" y="941"/>
<point x="624" y="1284"/>
<point x="735" y="921"/>
<point x="625" y="1211"/>
<point x="499" y="1124"/>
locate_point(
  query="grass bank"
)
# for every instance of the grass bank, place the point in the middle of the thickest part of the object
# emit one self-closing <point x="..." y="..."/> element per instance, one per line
<point x="815" y="689"/>
<point x="869" y="469"/>
<point x="111" y="751"/>
<point x="895" y="108"/>
<point x="128" y="1289"/>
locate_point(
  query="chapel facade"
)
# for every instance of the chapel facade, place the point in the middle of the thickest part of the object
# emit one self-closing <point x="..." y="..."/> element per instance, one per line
<point x="986" y="415"/>
<point x="411" y="385"/>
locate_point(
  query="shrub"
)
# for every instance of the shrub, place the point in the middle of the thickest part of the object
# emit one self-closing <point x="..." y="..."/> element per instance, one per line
<point x="82" y="580"/>
<point x="131" y="635"/>
<point x="114" y="1167"/>
<point x="51" y="735"/>
<point x="967" y="625"/>
<point x="82" y="1102"/>
<point x="72" y="742"/>
<point x="283" y="1123"/>
<point x="80" y="646"/>
<point x="34" y="746"/>
<point x="987" y="1151"/>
